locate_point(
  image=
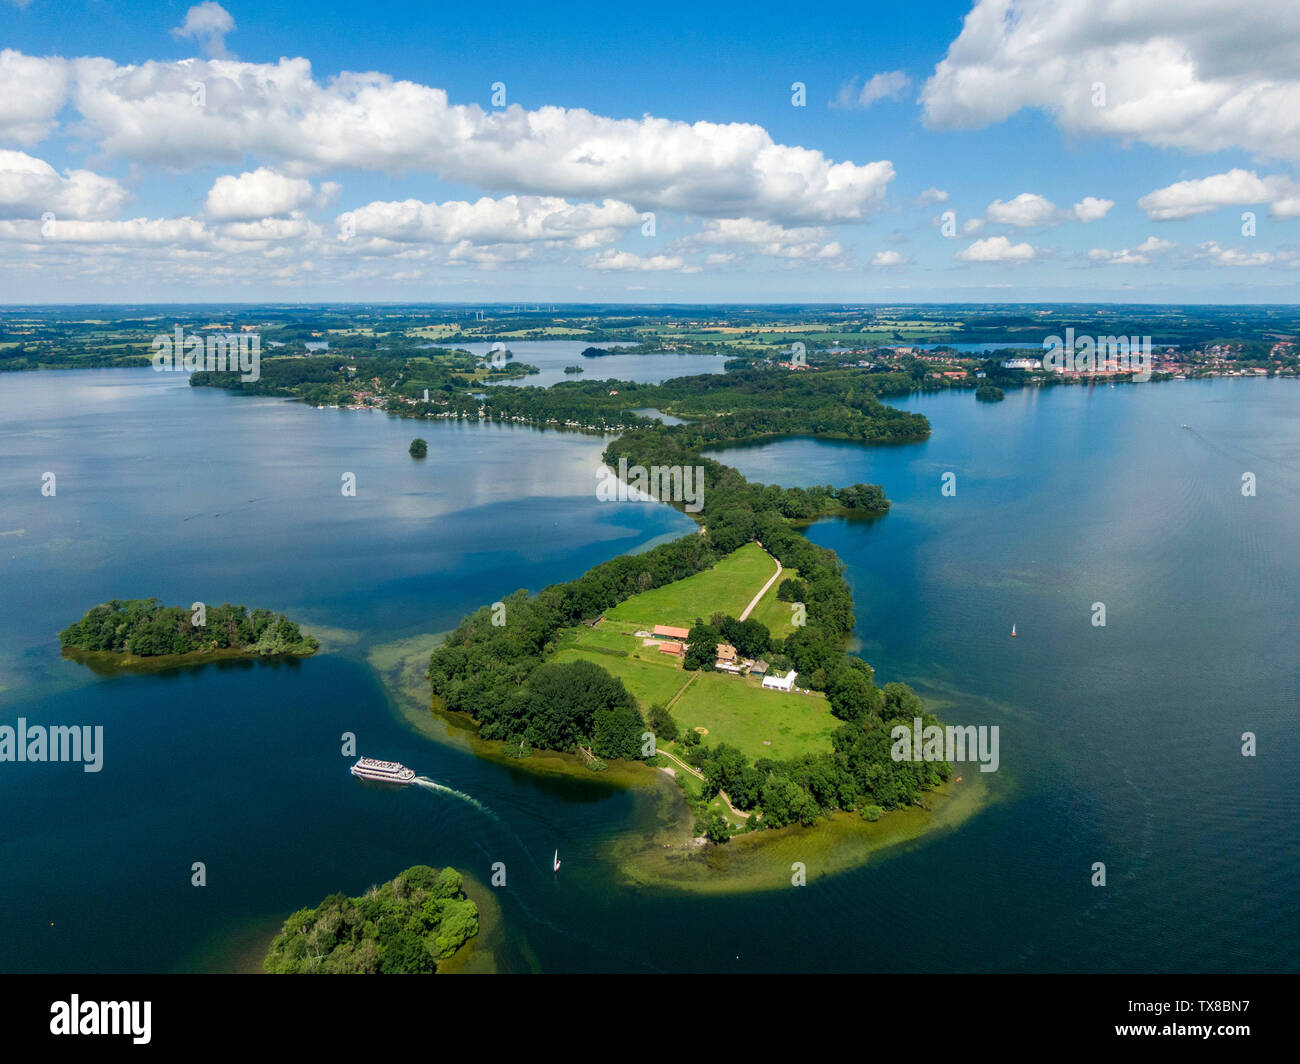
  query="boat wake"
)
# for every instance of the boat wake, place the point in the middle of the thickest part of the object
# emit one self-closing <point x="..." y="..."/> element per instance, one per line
<point x="430" y="785"/>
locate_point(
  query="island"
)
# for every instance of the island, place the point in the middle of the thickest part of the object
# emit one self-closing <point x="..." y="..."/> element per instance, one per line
<point x="694" y="655"/>
<point x="419" y="448"/>
<point x="989" y="393"/>
<point x="127" y="631"/>
<point x="402" y="928"/>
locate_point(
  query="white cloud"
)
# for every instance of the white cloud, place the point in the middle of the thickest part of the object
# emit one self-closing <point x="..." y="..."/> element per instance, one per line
<point x="163" y="232"/>
<point x="1132" y="256"/>
<point x="1185" y="199"/>
<point x="1091" y="209"/>
<point x="259" y="194"/>
<point x="763" y="238"/>
<point x="887" y="258"/>
<point x="368" y="121"/>
<point x="1202" y="76"/>
<point x="508" y="220"/>
<point x="889" y="85"/>
<point x="1029" y="210"/>
<point x="270" y="229"/>
<point x="208" y="23"/>
<point x="30" y="187"/>
<point x="931" y="196"/>
<point x="1026" y="210"/>
<point x="32" y="91"/>
<point x="996" y="249"/>
<point x="1222" y="256"/>
<point x="626" y="260"/>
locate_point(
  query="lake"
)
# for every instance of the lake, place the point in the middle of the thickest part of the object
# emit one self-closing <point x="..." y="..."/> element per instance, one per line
<point x="1119" y="744"/>
<point x="552" y="356"/>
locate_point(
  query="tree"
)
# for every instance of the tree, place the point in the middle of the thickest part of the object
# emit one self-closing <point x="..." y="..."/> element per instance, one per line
<point x="662" y="724"/>
<point x="617" y="732"/>
<point x="716" y="828"/>
<point x="419" y="448"/>
<point x="792" y="590"/>
<point x="702" y="650"/>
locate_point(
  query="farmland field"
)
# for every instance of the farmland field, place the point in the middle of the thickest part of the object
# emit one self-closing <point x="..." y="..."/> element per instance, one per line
<point x="728" y="587"/>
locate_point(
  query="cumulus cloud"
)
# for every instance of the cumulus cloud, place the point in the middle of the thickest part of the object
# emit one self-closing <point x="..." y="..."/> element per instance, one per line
<point x="626" y="260"/>
<point x="30" y="187"/>
<point x="158" y="232"/>
<point x="763" y="238"/>
<point x="260" y="194"/>
<point x="208" y="23"/>
<point x="508" y="220"/>
<point x="1218" y="75"/>
<point x="889" y="85"/>
<point x="32" y="91"/>
<point x="1139" y="256"/>
<point x="1185" y="199"/>
<point x="1221" y="256"/>
<point x="369" y="121"/>
<point x="996" y="249"/>
<point x="1026" y="210"/>
<point x="931" y="196"/>
<point x="1091" y="209"/>
<point x="1029" y="210"/>
<point x="887" y="258"/>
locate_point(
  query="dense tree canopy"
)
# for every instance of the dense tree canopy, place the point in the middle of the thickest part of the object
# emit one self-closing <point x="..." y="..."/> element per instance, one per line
<point x="401" y="928"/>
<point x="147" y="628"/>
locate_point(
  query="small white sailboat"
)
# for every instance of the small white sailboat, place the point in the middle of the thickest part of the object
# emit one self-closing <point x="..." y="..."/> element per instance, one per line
<point x="1013" y="631"/>
<point x="555" y="862"/>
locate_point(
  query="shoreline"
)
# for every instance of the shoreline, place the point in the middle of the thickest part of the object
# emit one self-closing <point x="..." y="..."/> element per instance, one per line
<point x="112" y="662"/>
<point x="657" y="849"/>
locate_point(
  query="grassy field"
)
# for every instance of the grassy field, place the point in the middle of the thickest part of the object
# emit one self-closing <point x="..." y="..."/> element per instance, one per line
<point x="738" y="711"/>
<point x="774" y="613"/>
<point x="648" y="681"/>
<point x="735" y="709"/>
<point x="728" y="587"/>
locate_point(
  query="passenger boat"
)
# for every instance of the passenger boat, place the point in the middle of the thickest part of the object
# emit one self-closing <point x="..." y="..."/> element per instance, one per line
<point x="382" y="771"/>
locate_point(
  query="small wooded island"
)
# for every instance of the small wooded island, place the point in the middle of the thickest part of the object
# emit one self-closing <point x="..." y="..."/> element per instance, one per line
<point x="144" y="628"/>
<point x="401" y="928"/>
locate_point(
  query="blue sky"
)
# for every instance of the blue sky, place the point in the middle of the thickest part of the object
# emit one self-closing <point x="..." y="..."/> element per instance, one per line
<point x="282" y="182"/>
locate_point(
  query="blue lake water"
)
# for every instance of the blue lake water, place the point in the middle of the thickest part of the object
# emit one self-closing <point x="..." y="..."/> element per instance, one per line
<point x="552" y="356"/>
<point x="1123" y="742"/>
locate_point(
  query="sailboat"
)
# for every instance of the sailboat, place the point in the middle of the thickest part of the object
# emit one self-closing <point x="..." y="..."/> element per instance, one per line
<point x="1013" y="631"/>
<point x="555" y="862"/>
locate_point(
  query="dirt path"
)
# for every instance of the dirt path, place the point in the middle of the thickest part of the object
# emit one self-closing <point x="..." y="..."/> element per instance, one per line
<point x="755" y="600"/>
<point x="700" y="776"/>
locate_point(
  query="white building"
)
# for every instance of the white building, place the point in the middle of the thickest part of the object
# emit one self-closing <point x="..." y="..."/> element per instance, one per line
<point x="1022" y="363"/>
<point x="780" y="683"/>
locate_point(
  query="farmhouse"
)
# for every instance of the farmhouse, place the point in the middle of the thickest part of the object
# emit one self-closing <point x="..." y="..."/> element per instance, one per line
<point x="671" y="648"/>
<point x="668" y="632"/>
<point x="727" y="658"/>
<point x="780" y="683"/>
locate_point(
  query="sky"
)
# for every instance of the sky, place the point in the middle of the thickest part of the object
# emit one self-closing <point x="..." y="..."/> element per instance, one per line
<point x="982" y="151"/>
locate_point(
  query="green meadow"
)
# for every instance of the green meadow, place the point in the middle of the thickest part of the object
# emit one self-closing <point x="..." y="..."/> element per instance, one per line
<point x="760" y="723"/>
<point x="728" y="587"/>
